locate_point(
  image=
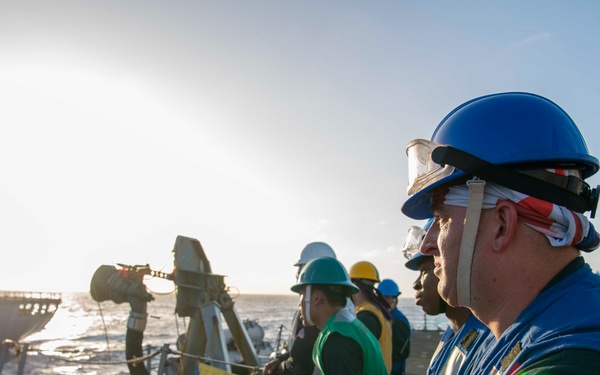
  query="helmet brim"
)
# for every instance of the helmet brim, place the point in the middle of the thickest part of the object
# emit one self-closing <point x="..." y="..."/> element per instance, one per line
<point x="353" y="288"/>
<point x="414" y="262"/>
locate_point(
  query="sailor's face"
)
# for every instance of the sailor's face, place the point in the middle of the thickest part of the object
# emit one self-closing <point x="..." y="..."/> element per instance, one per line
<point x="302" y="306"/>
<point x="426" y="293"/>
<point x="392" y="301"/>
<point x="298" y="272"/>
<point x="442" y="242"/>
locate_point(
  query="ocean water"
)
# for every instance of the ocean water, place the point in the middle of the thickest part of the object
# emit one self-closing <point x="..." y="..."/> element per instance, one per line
<point x="85" y="337"/>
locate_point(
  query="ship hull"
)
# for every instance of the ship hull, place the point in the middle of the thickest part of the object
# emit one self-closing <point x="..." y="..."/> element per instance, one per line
<point x="25" y="313"/>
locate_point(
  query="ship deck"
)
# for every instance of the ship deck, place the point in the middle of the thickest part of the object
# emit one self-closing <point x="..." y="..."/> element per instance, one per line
<point x="422" y="346"/>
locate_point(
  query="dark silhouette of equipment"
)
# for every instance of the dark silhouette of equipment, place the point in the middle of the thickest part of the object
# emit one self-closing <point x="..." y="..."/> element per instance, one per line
<point x="201" y="295"/>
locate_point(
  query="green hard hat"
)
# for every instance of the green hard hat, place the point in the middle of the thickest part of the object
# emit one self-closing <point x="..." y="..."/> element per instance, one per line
<point x="326" y="271"/>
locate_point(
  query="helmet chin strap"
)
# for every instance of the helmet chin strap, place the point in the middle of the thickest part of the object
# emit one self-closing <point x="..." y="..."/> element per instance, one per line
<point x="467" y="244"/>
<point x="307" y="293"/>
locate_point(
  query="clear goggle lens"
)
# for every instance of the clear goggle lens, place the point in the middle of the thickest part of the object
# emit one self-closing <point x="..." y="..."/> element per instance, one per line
<point x="422" y="171"/>
<point x="412" y="244"/>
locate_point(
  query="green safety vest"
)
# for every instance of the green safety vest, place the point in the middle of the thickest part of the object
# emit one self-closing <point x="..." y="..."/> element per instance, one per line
<point x="346" y="324"/>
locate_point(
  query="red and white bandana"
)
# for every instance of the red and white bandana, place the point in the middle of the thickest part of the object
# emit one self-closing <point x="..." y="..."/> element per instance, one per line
<point x="560" y="225"/>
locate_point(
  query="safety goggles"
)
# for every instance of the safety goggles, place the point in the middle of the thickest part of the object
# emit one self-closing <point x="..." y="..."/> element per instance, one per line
<point x="430" y="162"/>
<point x="422" y="170"/>
<point x="412" y="244"/>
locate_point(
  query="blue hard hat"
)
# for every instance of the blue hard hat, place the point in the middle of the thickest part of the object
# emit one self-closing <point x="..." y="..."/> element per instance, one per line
<point x="428" y="224"/>
<point x="510" y="129"/>
<point x="388" y="288"/>
<point x="413" y="263"/>
<point x="412" y="245"/>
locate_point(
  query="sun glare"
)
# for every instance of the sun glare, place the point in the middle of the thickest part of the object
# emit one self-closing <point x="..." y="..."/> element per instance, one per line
<point x="76" y="135"/>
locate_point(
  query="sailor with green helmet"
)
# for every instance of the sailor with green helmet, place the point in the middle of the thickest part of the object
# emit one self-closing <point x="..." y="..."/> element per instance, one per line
<point x="297" y="358"/>
<point x="344" y="345"/>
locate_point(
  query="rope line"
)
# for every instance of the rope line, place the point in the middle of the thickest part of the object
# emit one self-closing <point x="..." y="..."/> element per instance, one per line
<point x="214" y="360"/>
<point x="147" y="357"/>
<point x="105" y="330"/>
<point x="133" y="360"/>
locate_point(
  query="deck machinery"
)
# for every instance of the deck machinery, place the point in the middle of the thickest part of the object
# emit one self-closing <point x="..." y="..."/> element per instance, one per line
<point x="202" y="296"/>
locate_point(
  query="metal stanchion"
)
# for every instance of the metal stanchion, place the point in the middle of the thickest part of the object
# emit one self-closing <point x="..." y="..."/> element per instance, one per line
<point x="149" y="361"/>
<point x="3" y="354"/>
<point x="23" y="354"/>
<point x="163" y="359"/>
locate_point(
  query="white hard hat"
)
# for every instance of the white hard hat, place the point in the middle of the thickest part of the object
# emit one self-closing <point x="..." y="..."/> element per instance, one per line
<point x="315" y="250"/>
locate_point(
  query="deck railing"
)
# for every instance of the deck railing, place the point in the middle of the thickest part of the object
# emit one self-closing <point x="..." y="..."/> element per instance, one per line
<point x="10" y="294"/>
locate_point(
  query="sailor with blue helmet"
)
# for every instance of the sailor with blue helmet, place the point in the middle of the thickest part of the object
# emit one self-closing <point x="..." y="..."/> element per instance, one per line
<point x="390" y="291"/>
<point x="503" y="176"/>
<point x="464" y="334"/>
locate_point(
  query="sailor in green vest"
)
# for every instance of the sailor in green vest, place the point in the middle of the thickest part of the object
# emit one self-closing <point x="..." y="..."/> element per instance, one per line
<point x="345" y="346"/>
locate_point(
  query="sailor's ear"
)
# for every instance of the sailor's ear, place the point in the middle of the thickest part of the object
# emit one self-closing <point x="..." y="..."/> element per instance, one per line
<point x="318" y="296"/>
<point x="503" y="225"/>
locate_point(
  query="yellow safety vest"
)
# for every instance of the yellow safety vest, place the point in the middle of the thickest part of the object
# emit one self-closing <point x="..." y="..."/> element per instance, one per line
<point x="385" y="340"/>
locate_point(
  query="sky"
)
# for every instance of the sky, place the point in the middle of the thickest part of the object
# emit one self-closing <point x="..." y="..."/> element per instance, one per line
<point x="255" y="127"/>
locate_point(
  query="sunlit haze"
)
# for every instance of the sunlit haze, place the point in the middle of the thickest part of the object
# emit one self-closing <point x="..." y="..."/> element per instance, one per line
<point x="254" y="126"/>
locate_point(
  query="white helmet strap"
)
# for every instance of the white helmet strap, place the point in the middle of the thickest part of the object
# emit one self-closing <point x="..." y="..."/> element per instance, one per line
<point x="467" y="244"/>
<point x="307" y="293"/>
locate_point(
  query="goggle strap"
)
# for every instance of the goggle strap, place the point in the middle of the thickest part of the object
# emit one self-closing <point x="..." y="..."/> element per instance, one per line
<point x="467" y="244"/>
<point x="566" y="191"/>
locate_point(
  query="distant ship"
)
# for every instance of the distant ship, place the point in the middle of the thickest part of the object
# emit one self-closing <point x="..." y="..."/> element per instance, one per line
<point x="25" y="313"/>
